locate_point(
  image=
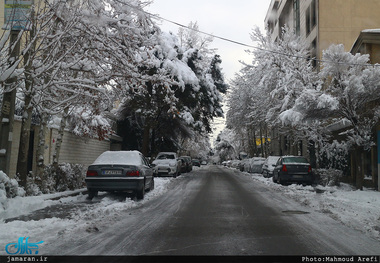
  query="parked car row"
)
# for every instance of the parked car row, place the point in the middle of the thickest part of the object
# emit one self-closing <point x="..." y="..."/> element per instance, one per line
<point x="251" y="165"/>
<point x="283" y="169"/>
<point x="130" y="171"/>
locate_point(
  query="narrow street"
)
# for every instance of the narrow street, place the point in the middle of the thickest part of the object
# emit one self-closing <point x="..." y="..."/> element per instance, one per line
<point x="216" y="211"/>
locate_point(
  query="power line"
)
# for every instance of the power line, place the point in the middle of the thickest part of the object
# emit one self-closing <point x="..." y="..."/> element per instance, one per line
<point x="251" y="46"/>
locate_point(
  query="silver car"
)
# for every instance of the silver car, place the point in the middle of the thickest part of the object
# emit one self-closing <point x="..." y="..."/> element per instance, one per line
<point x="269" y="165"/>
<point x="167" y="163"/>
<point x="126" y="171"/>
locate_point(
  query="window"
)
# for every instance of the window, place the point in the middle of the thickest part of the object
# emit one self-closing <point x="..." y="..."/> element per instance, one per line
<point x="311" y="17"/>
<point x="308" y="25"/>
<point x="297" y="24"/>
<point x="313" y="13"/>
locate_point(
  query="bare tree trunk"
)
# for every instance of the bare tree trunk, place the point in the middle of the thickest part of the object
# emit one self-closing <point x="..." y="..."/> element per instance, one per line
<point x="254" y="142"/>
<point x="60" y="137"/>
<point x="261" y="141"/>
<point x="266" y="142"/>
<point x="23" y="150"/>
<point x="22" y="160"/>
<point x="146" y="140"/>
<point x="41" y="146"/>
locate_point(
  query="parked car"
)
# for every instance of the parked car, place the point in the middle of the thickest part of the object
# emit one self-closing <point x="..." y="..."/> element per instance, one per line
<point x="196" y="162"/>
<point x="126" y="171"/>
<point x="293" y="169"/>
<point x="167" y="163"/>
<point x="256" y="165"/>
<point x="269" y="165"/>
<point x="183" y="165"/>
<point x="243" y="165"/>
<point x="228" y="163"/>
<point x="247" y="165"/>
<point x="189" y="163"/>
<point x="235" y="164"/>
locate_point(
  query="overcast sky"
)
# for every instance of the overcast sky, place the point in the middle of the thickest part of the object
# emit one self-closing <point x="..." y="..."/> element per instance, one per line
<point x="231" y="19"/>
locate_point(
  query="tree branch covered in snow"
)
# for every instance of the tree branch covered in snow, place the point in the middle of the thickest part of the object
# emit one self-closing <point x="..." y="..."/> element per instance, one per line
<point x="280" y="89"/>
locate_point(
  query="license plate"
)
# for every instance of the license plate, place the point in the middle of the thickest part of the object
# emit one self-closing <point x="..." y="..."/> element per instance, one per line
<point x="298" y="176"/>
<point x="112" y="172"/>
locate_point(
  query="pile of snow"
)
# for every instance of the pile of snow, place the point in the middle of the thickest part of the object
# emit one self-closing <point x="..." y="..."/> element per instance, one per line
<point x="354" y="208"/>
<point x="8" y="189"/>
<point x="86" y="216"/>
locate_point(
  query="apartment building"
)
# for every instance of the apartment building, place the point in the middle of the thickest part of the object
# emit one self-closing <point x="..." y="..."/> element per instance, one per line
<point x="324" y="22"/>
<point x="353" y="23"/>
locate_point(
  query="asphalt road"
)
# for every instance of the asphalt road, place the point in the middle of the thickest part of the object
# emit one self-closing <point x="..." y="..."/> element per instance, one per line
<point x="219" y="211"/>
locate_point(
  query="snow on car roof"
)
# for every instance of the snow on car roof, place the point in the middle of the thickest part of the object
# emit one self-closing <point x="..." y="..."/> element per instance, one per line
<point x="119" y="157"/>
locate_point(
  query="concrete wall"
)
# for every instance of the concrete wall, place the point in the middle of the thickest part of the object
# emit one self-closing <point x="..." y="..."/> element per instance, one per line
<point x="341" y="21"/>
<point x="74" y="149"/>
<point x="78" y="150"/>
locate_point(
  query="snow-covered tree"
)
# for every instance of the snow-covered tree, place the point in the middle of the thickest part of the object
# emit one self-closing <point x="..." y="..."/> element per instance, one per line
<point x="179" y="95"/>
<point x="225" y="145"/>
<point x="266" y="90"/>
<point x="191" y="38"/>
<point x="352" y="93"/>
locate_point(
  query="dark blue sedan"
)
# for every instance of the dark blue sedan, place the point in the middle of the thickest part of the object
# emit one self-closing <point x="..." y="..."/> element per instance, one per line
<point x="293" y="169"/>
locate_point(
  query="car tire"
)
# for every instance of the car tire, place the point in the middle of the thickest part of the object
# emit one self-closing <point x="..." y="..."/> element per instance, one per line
<point x="274" y="179"/>
<point x="140" y="193"/>
<point x="92" y="194"/>
<point x="151" y="187"/>
<point x="282" y="182"/>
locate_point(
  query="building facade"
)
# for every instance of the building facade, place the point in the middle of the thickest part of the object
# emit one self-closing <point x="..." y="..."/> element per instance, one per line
<point x="321" y="23"/>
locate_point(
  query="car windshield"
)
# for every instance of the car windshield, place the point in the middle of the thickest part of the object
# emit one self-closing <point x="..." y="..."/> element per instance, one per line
<point x="295" y="160"/>
<point x="165" y="156"/>
<point x="119" y="157"/>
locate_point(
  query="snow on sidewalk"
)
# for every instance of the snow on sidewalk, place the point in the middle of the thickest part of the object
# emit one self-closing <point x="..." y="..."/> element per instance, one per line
<point x="99" y="211"/>
<point x="357" y="209"/>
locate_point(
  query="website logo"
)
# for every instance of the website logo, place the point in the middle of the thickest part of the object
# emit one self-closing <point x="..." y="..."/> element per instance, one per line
<point x="22" y="247"/>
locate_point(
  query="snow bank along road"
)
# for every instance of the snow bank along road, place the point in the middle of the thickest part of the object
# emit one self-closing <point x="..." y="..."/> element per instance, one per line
<point x="210" y="211"/>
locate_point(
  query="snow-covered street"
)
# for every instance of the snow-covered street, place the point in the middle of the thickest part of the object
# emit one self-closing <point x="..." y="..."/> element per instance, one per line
<point x="353" y="209"/>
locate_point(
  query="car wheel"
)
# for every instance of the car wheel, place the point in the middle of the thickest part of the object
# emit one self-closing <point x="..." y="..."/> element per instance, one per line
<point x="151" y="187"/>
<point x="280" y="181"/>
<point x="140" y="193"/>
<point x="92" y="194"/>
<point x="274" y="179"/>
